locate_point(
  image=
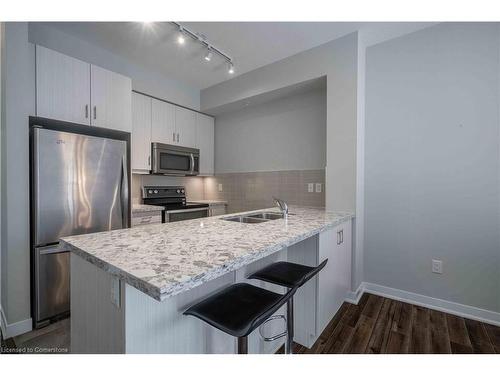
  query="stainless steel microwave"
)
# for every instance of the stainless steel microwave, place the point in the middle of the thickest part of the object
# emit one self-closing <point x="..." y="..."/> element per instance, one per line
<point x="174" y="160"/>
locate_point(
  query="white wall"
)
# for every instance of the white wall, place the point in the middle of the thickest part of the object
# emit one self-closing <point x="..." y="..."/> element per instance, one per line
<point x="432" y="163"/>
<point x="337" y="60"/>
<point x="18" y="96"/>
<point x="283" y="134"/>
<point x="142" y="79"/>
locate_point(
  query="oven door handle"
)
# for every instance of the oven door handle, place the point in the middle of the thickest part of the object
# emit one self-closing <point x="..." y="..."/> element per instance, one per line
<point x="187" y="210"/>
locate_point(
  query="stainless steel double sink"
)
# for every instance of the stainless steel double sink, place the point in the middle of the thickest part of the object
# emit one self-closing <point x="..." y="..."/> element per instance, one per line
<point x="256" y="218"/>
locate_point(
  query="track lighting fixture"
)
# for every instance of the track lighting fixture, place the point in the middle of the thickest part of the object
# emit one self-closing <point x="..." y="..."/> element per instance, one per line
<point x="183" y="33"/>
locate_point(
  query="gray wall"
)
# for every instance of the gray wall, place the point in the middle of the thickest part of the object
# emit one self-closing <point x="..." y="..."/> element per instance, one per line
<point x="18" y="96"/>
<point x="142" y="80"/>
<point x="284" y="134"/>
<point x="337" y="60"/>
<point x="432" y="163"/>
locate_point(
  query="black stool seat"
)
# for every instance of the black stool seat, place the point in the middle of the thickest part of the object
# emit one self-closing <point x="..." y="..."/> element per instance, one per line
<point x="239" y="308"/>
<point x="289" y="275"/>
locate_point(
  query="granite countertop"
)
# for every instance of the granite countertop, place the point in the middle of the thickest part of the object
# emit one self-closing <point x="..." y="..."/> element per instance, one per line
<point x="146" y="208"/>
<point x="163" y="260"/>
<point x="210" y="202"/>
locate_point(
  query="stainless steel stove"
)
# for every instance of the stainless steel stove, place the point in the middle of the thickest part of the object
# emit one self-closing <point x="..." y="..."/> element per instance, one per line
<point x="173" y="198"/>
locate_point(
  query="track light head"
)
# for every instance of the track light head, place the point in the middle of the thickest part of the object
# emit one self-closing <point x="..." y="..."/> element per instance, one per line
<point x="230" y="69"/>
<point x="208" y="55"/>
<point x="181" y="39"/>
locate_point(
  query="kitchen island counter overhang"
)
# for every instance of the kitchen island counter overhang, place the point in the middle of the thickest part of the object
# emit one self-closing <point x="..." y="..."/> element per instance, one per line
<point x="163" y="260"/>
<point x="173" y="262"/>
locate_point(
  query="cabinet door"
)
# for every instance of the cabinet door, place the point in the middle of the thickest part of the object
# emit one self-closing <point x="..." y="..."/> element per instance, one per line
<point x="185" y="126"/>
<point x="217" y="210"/>
<point x="62" y="87"/>
<point x="111" y="96"/>
<point x="205" y="142"/>
<point x="141" y="132"/>
<point x="162" y="122"/>
<point x="328" y="300"/>
<point x="335" y="279"/>
<point x="345" y="256"/>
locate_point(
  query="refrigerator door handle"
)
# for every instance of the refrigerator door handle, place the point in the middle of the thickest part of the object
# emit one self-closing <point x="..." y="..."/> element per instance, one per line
<point x="124" y="193"/>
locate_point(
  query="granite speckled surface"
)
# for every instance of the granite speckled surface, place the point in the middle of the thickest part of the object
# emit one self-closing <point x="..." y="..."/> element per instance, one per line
<point x="163" y="260"/>
<point x="146" y="208"/>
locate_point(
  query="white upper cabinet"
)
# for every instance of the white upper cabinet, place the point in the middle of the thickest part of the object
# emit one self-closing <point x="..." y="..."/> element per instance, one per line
<point x="141" y="132"/>
<point x="71" y="90"/>
<point x="163" y="122"/>
<point x="205" y="142"/>
<point x="185" y="125"/>
<point x="111" y="100"/>
<point x="62" y="87"/>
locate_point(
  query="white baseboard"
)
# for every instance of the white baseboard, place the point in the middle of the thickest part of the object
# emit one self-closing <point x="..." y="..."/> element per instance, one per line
<point x="354" y="297"/>
<point x="465" y="311"/>
<point x="14" y="329"/>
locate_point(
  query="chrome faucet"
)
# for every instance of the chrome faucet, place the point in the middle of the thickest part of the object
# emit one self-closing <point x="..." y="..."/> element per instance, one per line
<point x="282" y="205"/>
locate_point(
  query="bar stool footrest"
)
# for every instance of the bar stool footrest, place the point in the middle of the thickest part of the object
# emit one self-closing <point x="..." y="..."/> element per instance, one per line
<point x="275" y="337"/>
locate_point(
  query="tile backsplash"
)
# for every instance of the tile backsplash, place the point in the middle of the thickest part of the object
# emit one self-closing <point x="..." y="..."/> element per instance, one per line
<point x="244" y="191"/>
<point x="254" y="190"/>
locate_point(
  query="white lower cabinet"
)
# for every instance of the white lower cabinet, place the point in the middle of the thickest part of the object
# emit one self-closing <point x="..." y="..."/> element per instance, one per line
<point x="146" y="218"/>
<point x="216" y="210"/>
<point x="317" y="302"/>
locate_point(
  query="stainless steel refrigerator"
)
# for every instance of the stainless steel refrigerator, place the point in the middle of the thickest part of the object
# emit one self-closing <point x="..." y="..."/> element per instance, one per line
<point x="79" y="184"/>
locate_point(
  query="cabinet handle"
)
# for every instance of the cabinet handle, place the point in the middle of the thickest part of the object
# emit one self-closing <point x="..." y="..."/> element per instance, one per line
<point x="173" y="136"/>
<point x="149" y="160"/>
<point x="86" y="111"/>
<point x="342" y="236"/>
<point x="177" y="137"/>
<point x="95" y="112"/>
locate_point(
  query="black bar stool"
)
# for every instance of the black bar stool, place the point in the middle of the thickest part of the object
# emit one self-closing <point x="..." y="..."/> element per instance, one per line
<point x="239" y="309"/>
<point x="291" y="276"/>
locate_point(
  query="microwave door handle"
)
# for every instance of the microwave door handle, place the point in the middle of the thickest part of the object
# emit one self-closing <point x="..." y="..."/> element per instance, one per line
<point x="192" y="164"/>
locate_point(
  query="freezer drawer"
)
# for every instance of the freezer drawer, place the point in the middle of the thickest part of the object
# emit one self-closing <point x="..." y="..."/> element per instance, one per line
<point x="52" y="282"/>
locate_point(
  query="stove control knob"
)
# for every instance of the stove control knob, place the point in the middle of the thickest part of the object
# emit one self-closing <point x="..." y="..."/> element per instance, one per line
<point x="182" y="191"/>
<point x="156" y="191"/>
<point x="150" y="191"/>
<point x="178" y="191"/>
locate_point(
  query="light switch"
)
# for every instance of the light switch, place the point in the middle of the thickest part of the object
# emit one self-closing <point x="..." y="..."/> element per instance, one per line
<point x="318" y="187"/>
<point x="220" y="187"/>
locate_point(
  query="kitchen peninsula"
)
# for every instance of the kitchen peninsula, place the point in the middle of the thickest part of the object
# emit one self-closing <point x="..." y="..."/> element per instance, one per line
<point x="129" y="287"/>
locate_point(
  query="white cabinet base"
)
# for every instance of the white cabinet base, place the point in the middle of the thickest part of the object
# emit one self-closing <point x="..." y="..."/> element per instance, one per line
<point x="110" y="319"/>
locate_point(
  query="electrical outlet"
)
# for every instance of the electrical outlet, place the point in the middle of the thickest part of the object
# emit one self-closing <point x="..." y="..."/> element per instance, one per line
<point x="318" y="187"/>
<point x="310" y="188"/>
<point x="220" y="187"/>
<point x="437" y="266"/>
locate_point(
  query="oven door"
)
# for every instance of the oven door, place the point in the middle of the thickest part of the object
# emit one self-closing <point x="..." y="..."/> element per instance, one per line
<point x="187" y="214"/>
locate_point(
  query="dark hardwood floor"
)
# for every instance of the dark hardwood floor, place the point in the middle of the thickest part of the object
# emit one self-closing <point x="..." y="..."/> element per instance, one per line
<point x="380" y="325"/>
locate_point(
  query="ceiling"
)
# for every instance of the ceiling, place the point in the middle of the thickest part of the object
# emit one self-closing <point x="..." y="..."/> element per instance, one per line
<point x="250" y="44"/>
